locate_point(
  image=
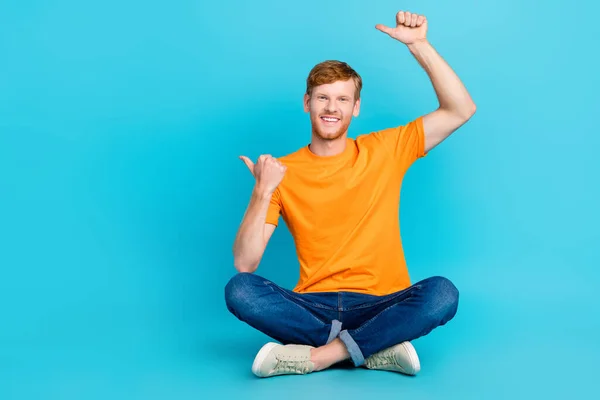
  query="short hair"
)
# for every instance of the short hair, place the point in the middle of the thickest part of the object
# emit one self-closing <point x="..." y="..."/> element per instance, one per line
<point x="331" y="71"/>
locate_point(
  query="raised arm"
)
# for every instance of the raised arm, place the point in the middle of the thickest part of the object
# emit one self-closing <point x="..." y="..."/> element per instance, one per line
<point x="455" y="104"/>
<point x="254" y="233"/>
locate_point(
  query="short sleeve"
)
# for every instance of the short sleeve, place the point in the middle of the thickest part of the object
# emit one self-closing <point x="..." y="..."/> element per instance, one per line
<point x="274" y="209"/>
<point x="406" y="143"/>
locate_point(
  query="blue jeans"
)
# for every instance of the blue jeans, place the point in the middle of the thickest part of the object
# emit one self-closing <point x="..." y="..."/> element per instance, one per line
<point x="364" y="323"/>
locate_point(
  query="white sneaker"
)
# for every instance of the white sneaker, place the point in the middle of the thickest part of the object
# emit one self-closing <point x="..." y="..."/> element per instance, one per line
<point x="400" y="358"/>
<point x="277" y="359"/>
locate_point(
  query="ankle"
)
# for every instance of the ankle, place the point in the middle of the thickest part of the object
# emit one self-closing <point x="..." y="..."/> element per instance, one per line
<point x="317" y="357"/>
<point x="325" y="356"/>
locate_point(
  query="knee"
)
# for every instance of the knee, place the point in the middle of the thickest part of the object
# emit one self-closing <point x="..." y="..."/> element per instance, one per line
<point x="239" y="290"/>
<point x="443" y="299"/>
<point x="447" y="292"/>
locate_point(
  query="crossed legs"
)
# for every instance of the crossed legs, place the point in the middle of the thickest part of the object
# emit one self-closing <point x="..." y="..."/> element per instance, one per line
<point x="293" y="318"/>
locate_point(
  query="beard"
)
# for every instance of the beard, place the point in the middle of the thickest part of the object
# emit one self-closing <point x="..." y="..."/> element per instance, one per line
<point x="329" y="133"/>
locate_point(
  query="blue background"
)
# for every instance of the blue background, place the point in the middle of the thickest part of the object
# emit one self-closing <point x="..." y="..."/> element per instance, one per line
<point x="121" y="192"/>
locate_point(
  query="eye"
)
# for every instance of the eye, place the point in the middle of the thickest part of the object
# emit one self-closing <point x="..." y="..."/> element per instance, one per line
<point x="322" y="97"/>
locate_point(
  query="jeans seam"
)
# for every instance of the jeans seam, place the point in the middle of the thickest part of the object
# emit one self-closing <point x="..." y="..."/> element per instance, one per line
<point x="360" y="328"/>
<point x="285" y="296"/>
<point x="339" y="307"/>
<point x="408" y="290"/>
<point x="272" y="285"/>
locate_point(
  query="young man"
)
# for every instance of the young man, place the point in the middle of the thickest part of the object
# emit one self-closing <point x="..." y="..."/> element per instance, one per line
<point x="340" y="199"/>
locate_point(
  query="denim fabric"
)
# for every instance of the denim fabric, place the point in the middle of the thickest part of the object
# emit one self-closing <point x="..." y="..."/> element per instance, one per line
<point x="364" y="323"/>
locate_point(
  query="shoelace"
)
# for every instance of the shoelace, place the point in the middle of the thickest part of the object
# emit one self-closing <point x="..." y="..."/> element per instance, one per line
<point x="285" y="364"/>
<point x="384" y="358"/>
<point x="292" y="366"/>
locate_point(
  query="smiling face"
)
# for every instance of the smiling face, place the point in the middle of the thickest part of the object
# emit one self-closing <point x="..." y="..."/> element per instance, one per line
<point x="331" y="107"/>
<point x="332" y="98"/>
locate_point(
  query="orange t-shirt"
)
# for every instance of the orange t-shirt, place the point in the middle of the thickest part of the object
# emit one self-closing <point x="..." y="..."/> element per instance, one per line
<point x="343" y="211"/>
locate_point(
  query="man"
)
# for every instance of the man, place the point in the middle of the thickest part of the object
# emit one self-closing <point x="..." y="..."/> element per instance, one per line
<point x="340" y="198"/>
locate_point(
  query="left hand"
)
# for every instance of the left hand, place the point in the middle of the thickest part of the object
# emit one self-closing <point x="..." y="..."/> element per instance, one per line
<point x="410" y="28"/>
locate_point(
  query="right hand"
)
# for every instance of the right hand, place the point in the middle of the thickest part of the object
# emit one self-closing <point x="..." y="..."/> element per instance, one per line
<point x="267" y="171"/>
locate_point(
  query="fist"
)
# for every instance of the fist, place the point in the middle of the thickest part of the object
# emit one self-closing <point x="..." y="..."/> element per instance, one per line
<point x="267" y="171"/>
<point x="409" y="29"/>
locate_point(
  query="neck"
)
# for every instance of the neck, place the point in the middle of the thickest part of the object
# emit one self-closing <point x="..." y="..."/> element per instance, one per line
<point x="326" y="148"/>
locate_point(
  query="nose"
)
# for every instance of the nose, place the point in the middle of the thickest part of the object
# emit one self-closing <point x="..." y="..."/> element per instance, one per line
<point x="330" y="106"/>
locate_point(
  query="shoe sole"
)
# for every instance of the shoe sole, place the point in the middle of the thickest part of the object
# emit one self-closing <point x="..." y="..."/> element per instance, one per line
<point x="260" y="357"/>
<point x="414" y="358"/>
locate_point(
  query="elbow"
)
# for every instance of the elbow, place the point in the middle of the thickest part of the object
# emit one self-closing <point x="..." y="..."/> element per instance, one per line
<point x="461" y="113"/>
<point x="245" y="266"/>
<point x="240" y="262"/>
<point x="247" y="258"/>
<point x="468" y="111"/>
<point x="473" y="109"/>
<point x="464" y="113"/>
<point x="245" y="269"/>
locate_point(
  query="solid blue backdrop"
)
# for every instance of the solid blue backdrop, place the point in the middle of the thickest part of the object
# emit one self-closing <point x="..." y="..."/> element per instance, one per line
<point x="121" y="123"/>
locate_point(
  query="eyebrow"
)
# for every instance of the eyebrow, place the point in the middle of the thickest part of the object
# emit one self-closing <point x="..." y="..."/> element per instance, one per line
<point x="323" y="94"/>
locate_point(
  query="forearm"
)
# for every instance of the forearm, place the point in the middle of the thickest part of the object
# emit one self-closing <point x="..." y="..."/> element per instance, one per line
<point x="250" y="243"/>
<point x="451" y="92"/>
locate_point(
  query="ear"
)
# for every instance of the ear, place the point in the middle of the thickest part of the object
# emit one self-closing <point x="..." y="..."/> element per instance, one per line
<point x="306" y="102"/>
<point x="356" y="110"/>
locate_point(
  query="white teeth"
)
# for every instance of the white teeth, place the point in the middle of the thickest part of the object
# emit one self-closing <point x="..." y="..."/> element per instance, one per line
<point x="330" y="119"/>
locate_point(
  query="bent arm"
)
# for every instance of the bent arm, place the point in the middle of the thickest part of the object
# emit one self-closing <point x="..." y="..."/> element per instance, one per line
<point x="253" y="234"/>
<point x="455" y="104"/>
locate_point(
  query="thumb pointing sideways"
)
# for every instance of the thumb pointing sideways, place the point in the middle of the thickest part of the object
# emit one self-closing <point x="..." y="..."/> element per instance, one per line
<point x="248" y="163"/>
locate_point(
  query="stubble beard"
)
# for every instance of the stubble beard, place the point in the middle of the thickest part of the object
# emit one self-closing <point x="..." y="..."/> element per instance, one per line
<point x="329" y="136"/>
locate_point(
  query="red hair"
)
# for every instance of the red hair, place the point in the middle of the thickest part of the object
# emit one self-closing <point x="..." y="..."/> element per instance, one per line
<point x="331" y="71"/>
